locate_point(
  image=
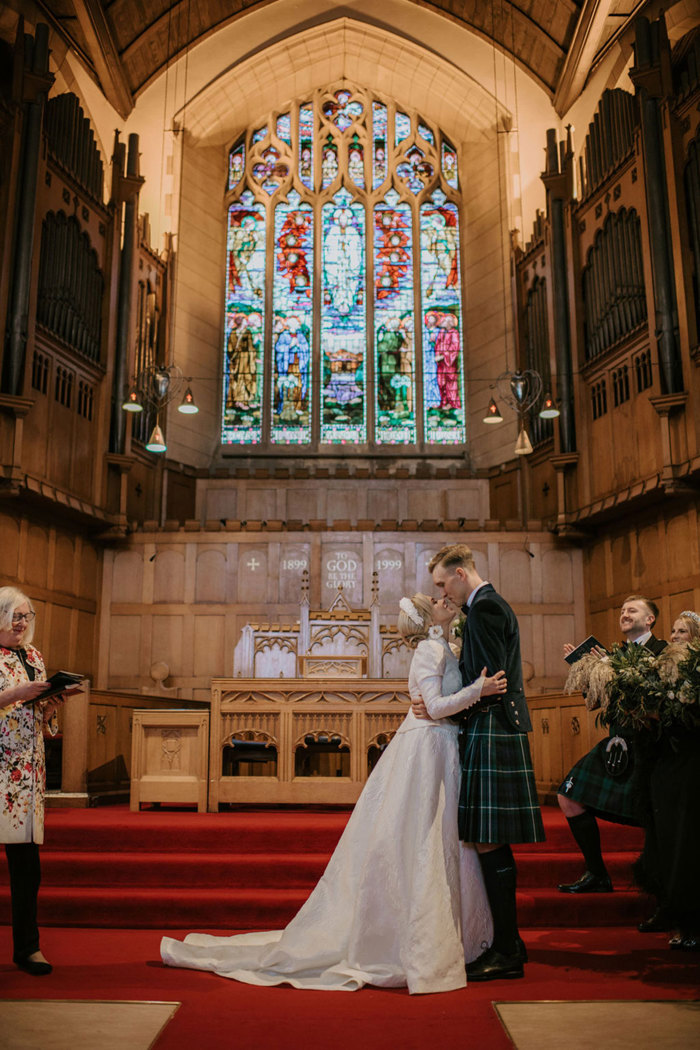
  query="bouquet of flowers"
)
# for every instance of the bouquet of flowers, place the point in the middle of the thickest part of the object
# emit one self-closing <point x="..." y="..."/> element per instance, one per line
<point x="636" y="690"/>
<point x="679" y="670"/>
<point x="626" y="686"/>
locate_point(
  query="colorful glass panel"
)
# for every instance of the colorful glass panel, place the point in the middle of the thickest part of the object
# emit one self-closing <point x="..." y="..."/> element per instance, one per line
<point x="306" y="145"/>
<point x="379" y="135"/>
<point x="443" y="370"/>
<point x="259" y="134"/>
<point x="403" y="127"/>
<point x="343" y="110"/>
<point x="236" y="166"/>
<point x="449" y="165"/>
<point x="270" y="170"/>
<point x="244" y="323"/>
<point x="343" y="322"/>
<point x="356" y="162"/>
<point x="292" y="312"/>
<point x="416" y="171"/>
<point x="426" y="134"/>
<point x="284" y="128"/>
<point x="394" y="346"/>
<point x="329" y="163"/>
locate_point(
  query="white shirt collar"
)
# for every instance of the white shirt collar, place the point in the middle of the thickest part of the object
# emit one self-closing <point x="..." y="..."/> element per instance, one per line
<point x="470" y="599"/>
<point x="643" y="639"/>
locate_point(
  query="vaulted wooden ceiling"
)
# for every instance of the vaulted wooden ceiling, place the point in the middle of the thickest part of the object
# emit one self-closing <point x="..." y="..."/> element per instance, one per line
<point x="127" y="43"/>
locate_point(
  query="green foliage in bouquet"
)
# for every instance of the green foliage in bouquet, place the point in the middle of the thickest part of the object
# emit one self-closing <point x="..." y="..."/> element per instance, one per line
<point x="458" y="625"/>
<point x="679" y="668"/>
<point x="635" y="690"/>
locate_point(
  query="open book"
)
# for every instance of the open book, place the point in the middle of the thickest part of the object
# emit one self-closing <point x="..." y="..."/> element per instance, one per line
<point x="585" y="647"/>
<point x="58" y="683"/>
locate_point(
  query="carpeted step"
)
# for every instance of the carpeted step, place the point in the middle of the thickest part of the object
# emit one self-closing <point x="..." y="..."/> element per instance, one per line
<point x="226" y="907"/>
<point x="269" y="870"/>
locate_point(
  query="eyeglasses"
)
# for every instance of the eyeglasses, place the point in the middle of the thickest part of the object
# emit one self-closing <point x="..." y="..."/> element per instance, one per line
<point x="27" y="617"/>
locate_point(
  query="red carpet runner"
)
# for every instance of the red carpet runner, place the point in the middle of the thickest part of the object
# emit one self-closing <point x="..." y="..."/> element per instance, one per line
<point x="253" y="869"/>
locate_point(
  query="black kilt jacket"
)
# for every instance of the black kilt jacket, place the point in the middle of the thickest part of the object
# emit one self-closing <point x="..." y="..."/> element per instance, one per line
<point x="622" y="798"/>
<point x="491" y="639"/>
<point x="498" y="798"/>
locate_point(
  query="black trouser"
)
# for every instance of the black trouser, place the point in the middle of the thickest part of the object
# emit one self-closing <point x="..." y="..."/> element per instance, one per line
<point x="25" y="878"/>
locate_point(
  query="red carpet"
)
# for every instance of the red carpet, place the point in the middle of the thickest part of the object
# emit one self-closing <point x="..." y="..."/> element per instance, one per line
<point x="253" y="869"/>
<point x="179" y="870"/>
<point x="217" y="1014"/>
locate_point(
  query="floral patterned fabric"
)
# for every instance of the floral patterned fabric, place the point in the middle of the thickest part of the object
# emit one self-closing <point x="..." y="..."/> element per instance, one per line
<point x="22" y="766"/>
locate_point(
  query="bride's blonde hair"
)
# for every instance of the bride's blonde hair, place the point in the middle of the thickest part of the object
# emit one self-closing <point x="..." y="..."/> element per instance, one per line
<point x="412" y="632"/>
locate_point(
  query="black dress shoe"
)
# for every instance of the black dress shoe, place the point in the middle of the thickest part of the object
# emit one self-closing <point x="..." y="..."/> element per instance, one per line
<point x="492" y="966"/>
<point x="34" y="967"/>
<point x="659" y="922"/>
<point x="522" y="950"/>
<point x="588" y="883"/>
<point x="689" y="943"/>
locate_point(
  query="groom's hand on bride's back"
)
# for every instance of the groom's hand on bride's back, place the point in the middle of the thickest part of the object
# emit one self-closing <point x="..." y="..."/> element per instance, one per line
<point x="420" y="710"/>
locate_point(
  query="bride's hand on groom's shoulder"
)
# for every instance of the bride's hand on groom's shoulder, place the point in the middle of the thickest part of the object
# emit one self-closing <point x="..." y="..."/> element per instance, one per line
<point x="420" y="710"/>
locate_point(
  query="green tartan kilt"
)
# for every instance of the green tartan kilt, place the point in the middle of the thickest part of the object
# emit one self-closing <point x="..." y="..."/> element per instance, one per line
<point x="612" y="798"/>
<point x="498" y="799"/>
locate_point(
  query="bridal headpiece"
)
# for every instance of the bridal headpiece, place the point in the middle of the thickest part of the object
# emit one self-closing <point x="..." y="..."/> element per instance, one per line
<point x="688" y="613"/>
<point x="407" y="606"/>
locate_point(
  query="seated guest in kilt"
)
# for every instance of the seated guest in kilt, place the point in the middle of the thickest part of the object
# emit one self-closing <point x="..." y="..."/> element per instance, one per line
<point x="498" y="800"/>
<point x="602" y="783"/>
<point x="670" y="864"/>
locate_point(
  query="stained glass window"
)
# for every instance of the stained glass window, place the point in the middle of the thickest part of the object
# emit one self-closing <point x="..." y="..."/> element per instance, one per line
<point x="343" y="320"/>
<point x="292" y="312"/>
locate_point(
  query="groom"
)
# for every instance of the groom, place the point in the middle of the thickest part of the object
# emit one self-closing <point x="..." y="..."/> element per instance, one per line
<point x="498" y="801"/>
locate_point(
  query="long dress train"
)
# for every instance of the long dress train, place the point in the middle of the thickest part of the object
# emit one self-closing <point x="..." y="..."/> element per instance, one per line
<point x="402" y="900"/>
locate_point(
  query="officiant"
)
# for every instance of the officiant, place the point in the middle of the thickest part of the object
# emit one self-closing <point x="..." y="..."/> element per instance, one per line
<point x="22" y="770"/>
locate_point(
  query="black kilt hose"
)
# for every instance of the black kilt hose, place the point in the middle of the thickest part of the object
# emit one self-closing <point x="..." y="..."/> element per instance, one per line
<point x="498" y="799"/>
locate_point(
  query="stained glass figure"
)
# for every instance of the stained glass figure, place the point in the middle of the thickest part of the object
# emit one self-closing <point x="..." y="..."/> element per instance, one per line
<point x="284" y="128"/>
<point x="394" y="354"/>
<point x="329" y="163"/>
<point x="416" y="171"/>
<point x="245" y="306"/>
<point x="236" y="165"/>
<point x="343" y="110"/>
<point x="292" y="311"/>
<point x="426" y="134"/>
<point x="379" y="133"/>
<point x="403" y="127"/>
<point x="356" y="162"/>
<point x="270" y="170"/>
<point x="306" y="145"/>
<point x="259" y="134"/>
<point x="343" y="322"/>
<point x="443" y="396"/>
<point x="449" y="164"/>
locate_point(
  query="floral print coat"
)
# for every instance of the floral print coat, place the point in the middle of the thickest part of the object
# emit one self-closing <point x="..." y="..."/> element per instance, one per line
<point x="22" y="766"/>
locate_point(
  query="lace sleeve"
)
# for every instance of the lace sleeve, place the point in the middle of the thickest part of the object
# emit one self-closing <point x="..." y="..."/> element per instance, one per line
<point x="428" y="669"/>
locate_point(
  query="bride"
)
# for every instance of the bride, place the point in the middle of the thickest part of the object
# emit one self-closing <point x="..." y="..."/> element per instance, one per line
<point x="402" y="900"/>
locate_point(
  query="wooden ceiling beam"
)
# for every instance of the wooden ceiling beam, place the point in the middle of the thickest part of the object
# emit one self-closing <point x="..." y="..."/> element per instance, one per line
<point x="583" y="49"/>
<point x="104" y="54"/>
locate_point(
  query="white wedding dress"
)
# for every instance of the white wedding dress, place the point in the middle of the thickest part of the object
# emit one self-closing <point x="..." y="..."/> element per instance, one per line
<point x="402" y="900"/>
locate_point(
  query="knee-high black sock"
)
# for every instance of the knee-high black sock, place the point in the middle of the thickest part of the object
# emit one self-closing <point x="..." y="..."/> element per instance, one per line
<point x="500" y="874"/>
<point x="584" y="828"/>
